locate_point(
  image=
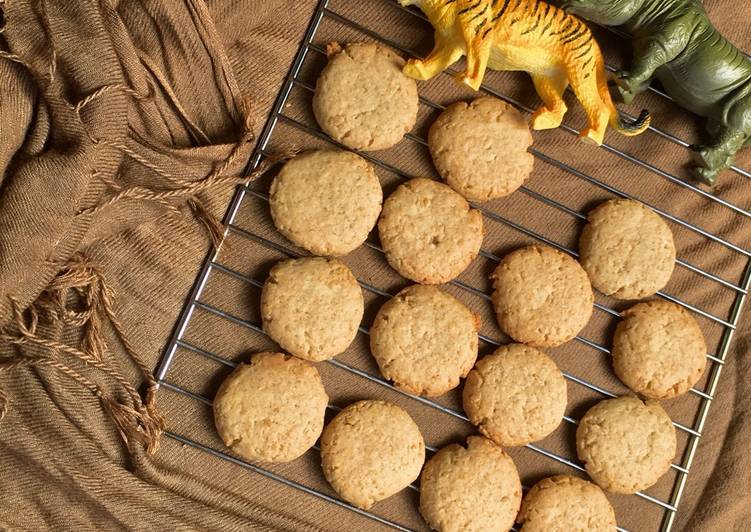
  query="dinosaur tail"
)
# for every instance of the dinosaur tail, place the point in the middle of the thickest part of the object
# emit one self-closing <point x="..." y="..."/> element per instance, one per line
<point x="629" y="128"/>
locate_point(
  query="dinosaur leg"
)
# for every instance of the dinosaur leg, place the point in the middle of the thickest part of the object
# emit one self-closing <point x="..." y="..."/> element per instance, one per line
<point x="584" y="85"/>
<point x="442" y="56"/>
<point x="624" y="91"/>
<point x="713" y="159"/>
<point x="728" y="139"/>
<point x="651" y="55"/>
<point x="550" y="89"/>
<point x="478" y="54"/>
<point x="653" y="52"/>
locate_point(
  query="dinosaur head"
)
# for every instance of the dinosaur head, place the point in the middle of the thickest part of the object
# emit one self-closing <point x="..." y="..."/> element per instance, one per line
<point x="605" y="12"/>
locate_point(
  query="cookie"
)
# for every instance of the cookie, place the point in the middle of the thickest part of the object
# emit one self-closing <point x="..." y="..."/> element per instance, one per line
<point x="428" y="232"/>
<point x="370" y="451"/>
<point x="312" y="307"/>
<point x="626" y="444"/>
<point x="515" y="396"/>
<point x="566" y="503"/>
<point x="271" y="409"/>
<point x="362" y="98"/>
<point x="542" y="297"/>
<point x="480" y="148"/>
<point x="659" y="350"/>
<point x="627" y="249"/>
<point x="424" y="340"/>
<point x="326" y="201"/>
<point x="476" y="488"/>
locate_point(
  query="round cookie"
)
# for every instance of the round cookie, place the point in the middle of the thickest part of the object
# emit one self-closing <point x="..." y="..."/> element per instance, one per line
<point x="480" y="148"/>
<point x="363" y="99"/>
<point x="626" y="444"/>
<point x="370" y="451"/>
<point x="271" y="409"/>
<point x="470" y="489"/>
<point x="424" y="340"/>
<point x="566" y="503"/>
<point x="542" y="297"/>
<point x="627" y="249"/>
<point x="515" y="396"/>
<point x="312" y="307"/>
<point x="326" y="201"/>
<point x="659" y="350"/>
<point x="428" y="232"/>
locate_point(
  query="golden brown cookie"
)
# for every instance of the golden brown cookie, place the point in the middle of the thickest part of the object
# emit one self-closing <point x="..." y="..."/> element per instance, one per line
<point x="476" y="488"/>
<point x="627" y="249"/>
<point x="659" y="350"/>
<point x="428" y="232"/>
<point x="312" y="307"/>
<point x="271" y="409"/>
<point x="542" y="297"/>
<point x="515" y="396"/>
<point x="480" y="148"/>
<point x="363" y="99"/>
<point x="370" y="451"/>
<point x="424" y="340"/>
<point x="326" y="201"/>
<point x="626" y="444"/>
<point x="566" y="503"/>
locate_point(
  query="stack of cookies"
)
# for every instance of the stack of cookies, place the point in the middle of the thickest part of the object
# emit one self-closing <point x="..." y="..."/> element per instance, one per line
<point x="425" y="341"/>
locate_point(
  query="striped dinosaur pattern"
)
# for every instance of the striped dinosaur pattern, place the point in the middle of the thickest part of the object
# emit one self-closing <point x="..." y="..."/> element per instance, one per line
<point x="555" y="48"/>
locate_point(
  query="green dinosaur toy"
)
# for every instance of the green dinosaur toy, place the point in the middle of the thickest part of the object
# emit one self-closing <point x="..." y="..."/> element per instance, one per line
<point x="674" y="41"/>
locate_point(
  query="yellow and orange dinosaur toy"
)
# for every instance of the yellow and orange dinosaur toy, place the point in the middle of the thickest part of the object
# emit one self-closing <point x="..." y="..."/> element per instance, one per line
<point x="555" y="48"/>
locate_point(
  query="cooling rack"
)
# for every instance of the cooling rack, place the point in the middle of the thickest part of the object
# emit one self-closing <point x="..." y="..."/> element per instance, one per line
<point x="724" y="280"/>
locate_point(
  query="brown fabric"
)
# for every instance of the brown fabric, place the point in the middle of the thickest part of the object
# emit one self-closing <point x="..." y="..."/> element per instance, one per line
<point x="123" y="128"/>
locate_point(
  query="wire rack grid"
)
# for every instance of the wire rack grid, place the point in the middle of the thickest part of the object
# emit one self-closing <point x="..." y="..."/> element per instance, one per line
<point x="312" y="51"/>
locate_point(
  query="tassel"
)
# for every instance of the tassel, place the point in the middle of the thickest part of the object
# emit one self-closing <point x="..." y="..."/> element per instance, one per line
<point x="214" y="227"/>
<point x="139" y="422"/>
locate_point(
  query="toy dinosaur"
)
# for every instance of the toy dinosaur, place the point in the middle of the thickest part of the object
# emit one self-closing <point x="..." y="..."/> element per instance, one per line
<point x="555" y="48"/>
<point x="674" y="41"/>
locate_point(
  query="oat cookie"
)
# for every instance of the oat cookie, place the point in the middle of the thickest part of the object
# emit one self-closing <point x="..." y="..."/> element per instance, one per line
<point x="363" y="99"/>
<point x="566" y="503"/>
<point x="476" y="488"/>
<point x="424" y="340"/>
<point x="659" y="350"/>
<point x="542" y="297"/>
<point x="326" y="201"/>
<point x="271" y="409"/>
<point x="428" y="232"/>
<point x="312" y="307"/>
<point x="480" y="148"/>
<point x="627" y="249"/>
<point x="626" y="444"/>
<point x="370" y="451"/>
<point x="515" y="396"/>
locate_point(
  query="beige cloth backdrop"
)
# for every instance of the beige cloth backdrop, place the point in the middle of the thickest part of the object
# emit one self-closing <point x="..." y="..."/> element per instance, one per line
<point x="123" y="125"/>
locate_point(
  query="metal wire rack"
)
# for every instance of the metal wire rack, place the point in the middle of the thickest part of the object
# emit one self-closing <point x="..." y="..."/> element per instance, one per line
<point x="297" y="88"/>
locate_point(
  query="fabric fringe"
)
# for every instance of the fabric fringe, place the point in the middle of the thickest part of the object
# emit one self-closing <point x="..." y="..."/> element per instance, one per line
<point x="137" y="422"/>
<point x="114" y="87"/>
<point x="214" y="227"/>
<point x="188" y="192"/>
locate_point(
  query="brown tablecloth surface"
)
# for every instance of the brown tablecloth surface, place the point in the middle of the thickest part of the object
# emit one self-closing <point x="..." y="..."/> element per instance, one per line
<point x="123" y="128"/>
